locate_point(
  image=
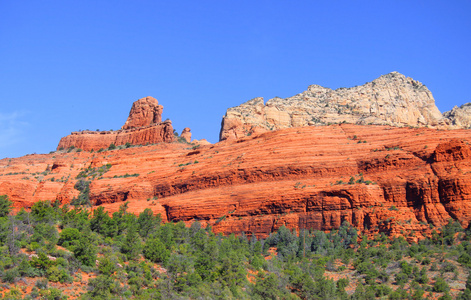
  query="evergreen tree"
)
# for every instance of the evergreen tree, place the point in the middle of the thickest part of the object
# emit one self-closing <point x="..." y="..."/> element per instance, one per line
<point x="5" y="206"/>
<point x="85" y="249"/>
<point x="155" y="250"/>
<point x="132" y="245"/>
<point x="148" y="223"/>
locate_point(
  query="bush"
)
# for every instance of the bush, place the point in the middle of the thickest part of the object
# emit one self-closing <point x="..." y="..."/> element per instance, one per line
<point x="43" y="211"/>
<point x="440" y="285"/>
<point x="382" y="290"/>
<point x="267" y="288"/>
<point x="56" y="274"/>
<point x="426" y="261"/>
<point x="406" y="268"/>
<point x="51" y="294"/>
<point x="465" y="259"/>
<point x="10" y="275"/>
<point x="401" y="278"/>
<point x="68" y="235"/>
<point x="131" y="245"/>
<point x="41" y="283"/>
<point x="84" y="249"/>
<point x="155" y="250"/>
<point x="447" y="267"/>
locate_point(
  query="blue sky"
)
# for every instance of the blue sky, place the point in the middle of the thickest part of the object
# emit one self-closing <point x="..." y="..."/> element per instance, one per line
<point x="71" y="65"/>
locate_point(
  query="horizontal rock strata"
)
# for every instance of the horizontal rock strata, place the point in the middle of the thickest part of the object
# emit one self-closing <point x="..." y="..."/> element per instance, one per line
<point x="379" y="178"/>
<point x="143" y="126"/>
<point x="95" y="140"/>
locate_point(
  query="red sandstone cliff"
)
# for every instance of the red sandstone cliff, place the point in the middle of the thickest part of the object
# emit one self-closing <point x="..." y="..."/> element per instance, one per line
<point x="143" y="126"/>
<point x="379" y="178"/>
<point x="144" y="112"/>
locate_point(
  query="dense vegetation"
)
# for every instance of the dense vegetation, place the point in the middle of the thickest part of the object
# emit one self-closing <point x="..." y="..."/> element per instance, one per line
<point x="47" y="252"/>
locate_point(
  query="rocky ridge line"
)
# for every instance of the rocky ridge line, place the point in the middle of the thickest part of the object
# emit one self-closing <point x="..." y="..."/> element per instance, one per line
<point x="143" y="126"/>
<point x="378" y="178"/>
<point x="392" y="99"/>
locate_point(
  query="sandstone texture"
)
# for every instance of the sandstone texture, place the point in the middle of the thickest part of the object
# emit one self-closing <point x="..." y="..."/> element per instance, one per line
<point x="460" y="117"/>
<point x="186" y="134"/>
<point x="379" y="178"/>
<point x="143" y="126"/>
<point x="391" y="99"/>
<point x="144" y="112"/>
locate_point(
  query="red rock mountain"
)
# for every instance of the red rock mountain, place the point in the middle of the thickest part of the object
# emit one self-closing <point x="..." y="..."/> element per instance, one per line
<point x="143" y="126"/>
<point x="379" y="178"/>
<point x="401" y="181"/>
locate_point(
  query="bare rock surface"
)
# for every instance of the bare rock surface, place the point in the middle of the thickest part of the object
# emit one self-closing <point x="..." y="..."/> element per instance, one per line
<point x="378" y="178"/>
<point x="143" y="126"/>
<point x="186" y="134"/>
<point x="460" y="117"/>
<point x="144" y="112"/>
<point x="392" y="99"/>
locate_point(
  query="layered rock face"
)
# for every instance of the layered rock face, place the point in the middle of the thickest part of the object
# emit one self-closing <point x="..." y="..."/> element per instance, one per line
<point x="144" y="112"/>
<point x="143" y="126"/>
<point x="391" y="99"/>
<point x="378" y="178"/>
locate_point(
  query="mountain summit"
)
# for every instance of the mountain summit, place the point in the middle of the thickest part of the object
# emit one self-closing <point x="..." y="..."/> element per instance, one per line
<point x="392" y="99"/>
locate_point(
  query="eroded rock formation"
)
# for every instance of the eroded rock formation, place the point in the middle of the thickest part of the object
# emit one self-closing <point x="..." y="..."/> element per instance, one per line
<point x="186" y="134"/>
<point x="272" y="168"/>
<point x="391" y="99"/>
<point x="460" y="116"/>
<point x="379" y="178"/>
<point x="144" y="112"/>
<point x="143" y="126"/>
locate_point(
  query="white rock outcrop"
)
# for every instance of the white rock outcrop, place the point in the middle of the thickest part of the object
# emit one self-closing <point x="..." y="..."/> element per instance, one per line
<point x="392" y="99"/>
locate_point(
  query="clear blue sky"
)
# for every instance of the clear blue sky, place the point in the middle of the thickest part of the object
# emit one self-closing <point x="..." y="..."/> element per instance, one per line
<point x="69" y="65"/>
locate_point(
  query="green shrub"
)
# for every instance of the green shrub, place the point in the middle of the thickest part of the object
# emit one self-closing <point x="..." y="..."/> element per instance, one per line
<point x="447" y="267"/>
<point x="401" y="278"/>
<point x="56" y="274"/>
<point x="155" y="250"/>
<point x="440" y="285"/>
<point x="41" y="283"/>
<point x="51" y="294"/>
<point x="68" y="235"/>
<point x="43" y="211"/>
<point x="85" y="249"/>
<point x="10" y="275"/>
<point x="84" y="197"/>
